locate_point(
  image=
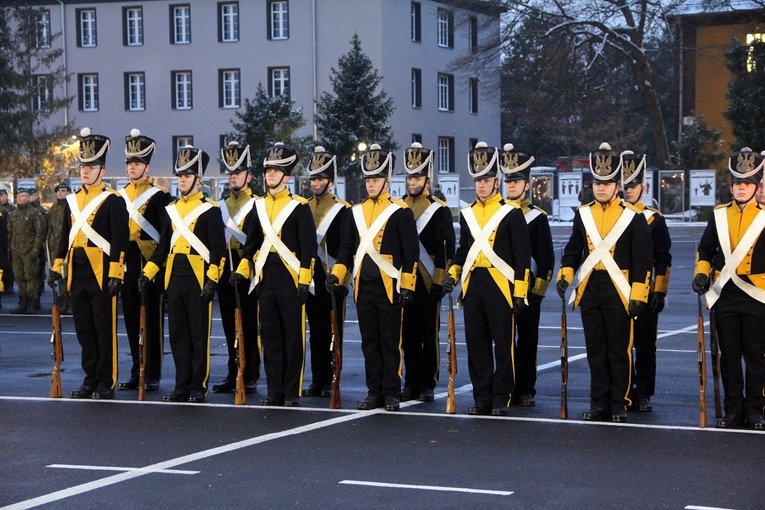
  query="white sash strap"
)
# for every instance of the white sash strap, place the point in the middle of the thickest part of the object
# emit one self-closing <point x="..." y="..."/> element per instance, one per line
<point x="425" y="261"/>
<point x="232" y="224"/>
<point x="530" y="216"/>
<point x="481" y="242"/>
<point x="602" y="250"/>
<point x="81" y="221"/>
<point x="271" y="232"/>
<point x="366" y="245"/>
<point x="648" y="214"/>
<point x="181" y="228"/>
<point x="134" y="210"/>
<point x="732" y="260"/>
<point x="321" y="231"/>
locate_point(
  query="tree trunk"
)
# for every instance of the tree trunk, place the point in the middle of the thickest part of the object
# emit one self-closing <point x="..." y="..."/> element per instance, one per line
<point x="643" y="78"/>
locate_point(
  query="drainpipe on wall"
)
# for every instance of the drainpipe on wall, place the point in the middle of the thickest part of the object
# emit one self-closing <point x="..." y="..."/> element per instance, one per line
<point x="66" y="67"/>
<point x="315" y="72"/>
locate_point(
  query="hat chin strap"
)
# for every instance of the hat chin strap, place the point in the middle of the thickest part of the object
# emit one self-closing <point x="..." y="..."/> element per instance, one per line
<point x="186" y="193"/>
<point x="323" y="192"/>
<point x="281" y="181"/>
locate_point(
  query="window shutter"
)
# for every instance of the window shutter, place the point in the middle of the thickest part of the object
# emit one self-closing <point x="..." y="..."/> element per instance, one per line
<point x="78" y="18"/>
<point x="126" y="83"/>
<point x="269" y="26"/>
<point x="451" y="30"/>
<point x="451" y="93"/>
<point x="80" y="101"/>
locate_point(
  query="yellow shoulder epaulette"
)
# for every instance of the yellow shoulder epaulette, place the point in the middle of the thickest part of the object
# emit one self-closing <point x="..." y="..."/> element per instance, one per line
<point x="341" y="201"/>
<point x="539" y="209"/>
<point x="722" y="206"/>
<point x="439" y="201"/>
<point x="655" y="210"/>
<point x="300" y="199"/>
<point x="399" y="202"/>
<point x="631" y="207"/>
<point x="588" y="204"/>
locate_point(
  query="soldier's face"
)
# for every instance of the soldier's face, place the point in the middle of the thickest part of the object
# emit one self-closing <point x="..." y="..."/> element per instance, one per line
<point x="633" y="194"/>
<point x="486" y="188"/>
<point x="604" y="191"/>
<point x="319" y="186"/>
<point x="22" y="198"/>
<point x="187" y="183"/>
<point x="61" y="193"/>
<point x="238" y="181"/>
<point x="416" y="185"/>
<point x="275" y="178"/>
<point x="375" y="186"/>
<point x="91" y="174"/>
<point x="137" y="171"/>
<point x="743" y="191"/>
<point x="3" y="199"/>
<point x="516" y="189"/>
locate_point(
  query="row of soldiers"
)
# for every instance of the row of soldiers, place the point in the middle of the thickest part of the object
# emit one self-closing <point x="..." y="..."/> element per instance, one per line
<point x="276" y="253"/>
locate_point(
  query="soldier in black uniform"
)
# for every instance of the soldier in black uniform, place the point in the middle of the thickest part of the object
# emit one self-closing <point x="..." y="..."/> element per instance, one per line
<point x="279" y="256"/>
<point x="516" y="165"/>
<point x="732" y="249"/>
<point x="492" y="262"/>
<point x="611" y="247"/>
<point x="94" y="239"/>
<point x="379" y="248"/>
<point x="236" y="208"/>
<point x="329" y="216"/>
<point x="192" y="249"/>
<point x="145" y="202"/>
<point x="633" y="183"/>
<point x="419" y="330"/>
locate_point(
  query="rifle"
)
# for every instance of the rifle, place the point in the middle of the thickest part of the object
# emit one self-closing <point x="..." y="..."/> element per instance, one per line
<point x="240" y="398"/>
<point x="563" y="362"/>
<point x="58" y="348"/>
<point x="336" y="347"/>
<point x="451" y="356"/>
<point x="701" y="358"/>
<point x="714" y="348"/>
<point x="143" y="346"/>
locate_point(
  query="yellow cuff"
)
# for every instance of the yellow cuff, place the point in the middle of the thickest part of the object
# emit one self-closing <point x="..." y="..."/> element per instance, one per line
<point x="214" y="271"/>
<point x="566" y="273"/>
<point x="540" y="286"/>
<point x="150" y="270"/>
<point x="520" y="288"/>
<point x="305" y="276"/>
<point x="662" y="283"/>
<point x="341" y="272"/>
<point x="117" y="270"/>
<point x="245" y="269"/>
<point x="639" y="292"/>
<point x="702" y="267"/>
<point x="439" y="276"/>
<point x="455" y="272"/>
<point x="408" y="280"/>
<point x="58" y="265"/>
<point x="2" y="287"/>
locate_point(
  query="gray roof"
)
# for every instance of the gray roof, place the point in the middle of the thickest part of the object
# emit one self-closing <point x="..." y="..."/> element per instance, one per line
<point x="691" y="7"/>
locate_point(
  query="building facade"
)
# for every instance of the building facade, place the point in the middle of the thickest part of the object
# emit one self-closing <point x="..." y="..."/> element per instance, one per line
<point x="179" y="70"/>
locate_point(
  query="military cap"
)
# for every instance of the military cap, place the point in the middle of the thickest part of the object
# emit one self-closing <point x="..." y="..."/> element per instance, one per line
<point x="3" y="191"/>
<point x="191" y="161"/>
<point x="93" y="148"/>
<point x="63" y="185"/>
<point x="483" y="161"/>
<point x="746" y="166"/>
<point x="515" y="164"/>
<point x="605" y="164"/>
<point x="235" y="158"/>
<point x="323" y="165"/>
<point x="633" y="169"/>
<point x="281" y="157"/>
<point x="377" y="162"/>
<point x="419" y="161"/>
<point x="138" y="148"/>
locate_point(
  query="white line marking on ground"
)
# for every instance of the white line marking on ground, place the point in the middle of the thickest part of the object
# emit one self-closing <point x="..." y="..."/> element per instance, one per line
<point x="425" y="487"/>
<point x="688" y="329"/>
<point x="556" y="363"/>
<point x="115" y="468"/>
<point x="694" y="507"/>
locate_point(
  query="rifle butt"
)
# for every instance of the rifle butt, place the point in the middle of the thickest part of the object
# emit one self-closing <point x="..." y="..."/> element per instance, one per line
<point x="451" y="398"/>
<point x="55" y="383"/>
<point x="335" y="401"/>
<point x="58" y="350"/>
<point x="564" y="364"/>
<point x="701" y="358"/>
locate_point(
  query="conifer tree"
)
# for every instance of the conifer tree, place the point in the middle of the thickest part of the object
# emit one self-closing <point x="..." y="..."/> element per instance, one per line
<point x="746" y="94"/>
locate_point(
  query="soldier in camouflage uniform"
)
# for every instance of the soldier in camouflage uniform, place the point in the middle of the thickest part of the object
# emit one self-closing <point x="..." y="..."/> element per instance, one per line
<point x="26" y="234"/>
<point x="3" y="252"/>
<point x="55" y="224"/>
<point x="5" y="208"/>
<point x="34" y="199"/>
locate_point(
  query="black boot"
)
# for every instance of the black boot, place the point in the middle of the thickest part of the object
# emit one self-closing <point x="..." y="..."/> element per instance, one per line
<point x="22" y="308"/>
<point x="32" y="305"/>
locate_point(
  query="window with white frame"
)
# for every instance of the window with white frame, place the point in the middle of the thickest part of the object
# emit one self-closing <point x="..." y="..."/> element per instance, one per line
<point x="86" y="28"/>
<point x="181" y="19"/>
<point x="751" y="38"/>
<point x="279" y="27"/>
<point x="473" y="95"/>
<point x="43" y="29"/>
<point x="88" y="92"/>
<point x="133" y="26"/>
<point x="43" y="84"/>
<point x="445" y="92"/>
<point x="445" y="154"/>
<point x="416" y="88"/>
<point x="229" y="88"/>
<point x="135" y="91"/>
<point x="228" y="14"/>
<point x="416" y="22"/>
<point x="445" y="20"/>
<point x="181" y="90"/>
<point x="279" y="81"/>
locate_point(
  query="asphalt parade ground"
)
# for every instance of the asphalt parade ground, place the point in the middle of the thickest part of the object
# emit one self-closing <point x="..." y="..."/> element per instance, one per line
<point x="70" y="454"/>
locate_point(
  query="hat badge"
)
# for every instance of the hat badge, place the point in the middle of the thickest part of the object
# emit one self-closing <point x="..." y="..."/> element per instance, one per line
<point x="275" y="154"/>
<point x="134" y="146"/>
<point x="88" y="149"/>
<point x="745" y="163"/>
<point x="372" y="161"/>
<point x="480" y="161"/>
<point x="602" y="165"/>
<point x="629" y="168"/>
<point x="511" y="160"/>
<point x="317" y="161"/>
<point x="232" y="156"/>
<point x="413" y="160"/>
<point x="184" y="157"/>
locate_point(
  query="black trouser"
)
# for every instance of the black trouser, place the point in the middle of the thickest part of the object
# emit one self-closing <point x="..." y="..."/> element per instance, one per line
<point x="282" y="330"/>
<point x="488" y="335"/>
<point x="526" y="345"/>
<point x="249" y="303"/>
<point x="318" y="309"/>
<point x="419" y="335"/>
<point x="380" y="328"/>
<point x="131" y="309"/>
<point x="189" y="324"/>
<point x="739" y="319"/>
<point x="644" y="338"/>
<point x="95" y="317"/>
<point x="609" y="346"/>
